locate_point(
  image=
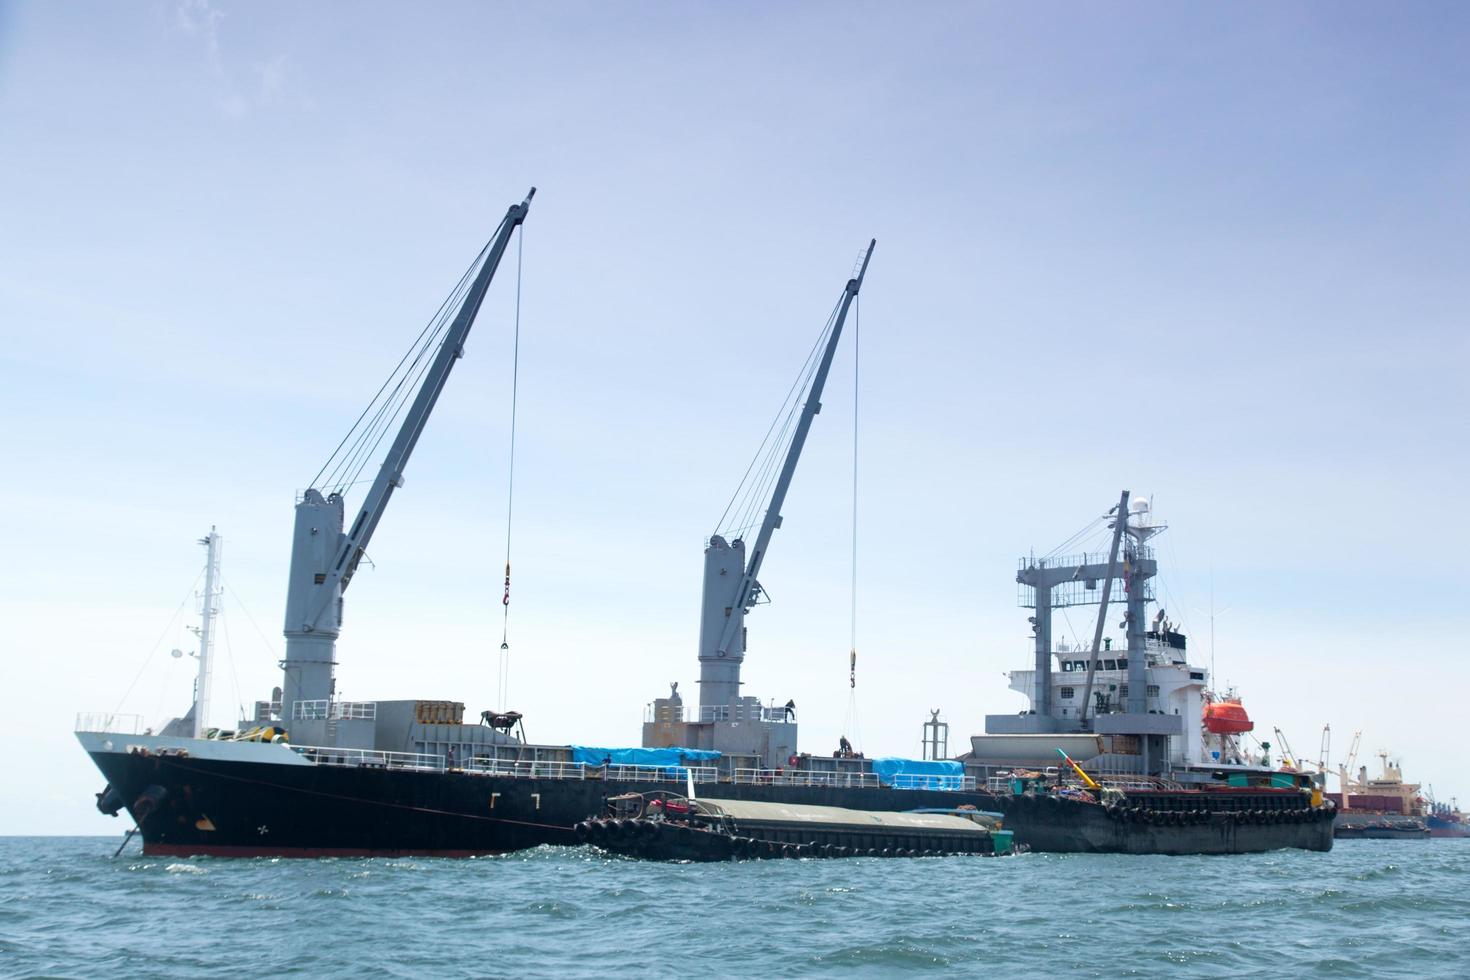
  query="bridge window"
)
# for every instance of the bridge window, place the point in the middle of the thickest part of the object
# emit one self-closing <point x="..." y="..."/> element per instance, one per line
<point x="1153" y="690"/>
<point x="1110" y="665"/>
<point x="1067" y="666"/>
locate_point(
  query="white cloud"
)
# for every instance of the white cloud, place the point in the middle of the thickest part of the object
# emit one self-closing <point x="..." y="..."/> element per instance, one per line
<point x="266" y="82"/>
<point x="198" y="18"/>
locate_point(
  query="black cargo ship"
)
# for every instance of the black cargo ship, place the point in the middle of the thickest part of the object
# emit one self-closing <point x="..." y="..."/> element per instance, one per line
<point x="249" y="799"/>
<point x="312" y="775"/>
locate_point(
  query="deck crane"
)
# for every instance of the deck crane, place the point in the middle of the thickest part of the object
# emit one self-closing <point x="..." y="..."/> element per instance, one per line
<point x="719" y="675"/>
<point x="1324" y="752"/>
<point x="323" y="558"/>
<point x="1345" y="777"/>
<point x="1288" y="757"/>
<point x="725" y="720"/>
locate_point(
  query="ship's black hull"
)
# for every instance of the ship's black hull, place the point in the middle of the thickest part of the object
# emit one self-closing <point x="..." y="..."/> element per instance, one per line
<point x="192" y="806"/>
<point x="1251" y="824"/>
<point x="1366" y="825"/>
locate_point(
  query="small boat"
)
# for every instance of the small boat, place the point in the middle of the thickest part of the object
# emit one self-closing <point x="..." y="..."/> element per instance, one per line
<point x="1380" y="826"/>
<point x="665" y="827"/>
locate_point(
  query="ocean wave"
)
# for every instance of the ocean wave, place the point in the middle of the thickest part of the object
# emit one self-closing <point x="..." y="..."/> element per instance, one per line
<point x="1393" y="909"/>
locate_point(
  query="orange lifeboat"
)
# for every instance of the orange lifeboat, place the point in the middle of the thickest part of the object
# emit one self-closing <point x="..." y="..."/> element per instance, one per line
<point x="1227" y="717"/>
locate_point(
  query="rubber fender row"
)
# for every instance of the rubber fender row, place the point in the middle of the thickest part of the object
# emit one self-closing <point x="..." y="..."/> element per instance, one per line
<point x="1161" y="818"/>
<point x="750" y="847"/>
<point x="595" y="831"/>
<point x="629" y="831"/>
<point x="1307" y="815"/>
<point x="1183" y="818"/>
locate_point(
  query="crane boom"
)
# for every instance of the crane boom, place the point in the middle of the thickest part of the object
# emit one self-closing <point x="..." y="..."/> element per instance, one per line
<point x="451" y="349"/>
<point x="1102" y="608"/>
<point x="749" y="585"/>
<point x="1345" y="774"/>
<point x="323" y="559"/>
<point x="1288" y="757"/>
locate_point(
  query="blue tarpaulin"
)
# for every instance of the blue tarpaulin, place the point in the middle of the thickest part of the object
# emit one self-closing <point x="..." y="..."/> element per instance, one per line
<point x="662" y="758"/>
<point x="920" y="773"/>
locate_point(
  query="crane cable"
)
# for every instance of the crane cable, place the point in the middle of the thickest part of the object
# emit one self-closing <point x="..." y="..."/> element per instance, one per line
<point x="856" y="348"/>
<point x="852" y="706"/>
<point x="504" y="676"/>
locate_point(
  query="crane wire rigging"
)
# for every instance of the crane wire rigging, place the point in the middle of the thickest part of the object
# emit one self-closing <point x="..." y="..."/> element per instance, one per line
<point x="757" y="491"/>
<point x="1092" y="525"/>
<point x="503" y="679"/>
<point x="224" y="624"/>
<point x="851" y="721"/>
<point x="752" y="494"/>
<point x="386" y="418"/>
<point x="251" y="619"/>
<point x="359" y="446"/>
<point x="159" y="642"/>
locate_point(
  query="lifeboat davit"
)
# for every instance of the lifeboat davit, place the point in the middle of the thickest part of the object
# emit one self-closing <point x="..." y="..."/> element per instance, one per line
<point x="1227" y="717"/>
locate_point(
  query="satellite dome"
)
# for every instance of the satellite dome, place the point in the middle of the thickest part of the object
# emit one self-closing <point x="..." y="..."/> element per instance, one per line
<point x="1139" y="505"/>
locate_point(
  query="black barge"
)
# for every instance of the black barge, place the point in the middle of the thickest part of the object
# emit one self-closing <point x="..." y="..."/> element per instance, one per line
<point x="665" y="827"/>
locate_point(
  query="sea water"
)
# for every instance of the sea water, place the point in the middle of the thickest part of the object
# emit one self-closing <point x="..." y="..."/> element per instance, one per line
<point x="1367" y="909"/>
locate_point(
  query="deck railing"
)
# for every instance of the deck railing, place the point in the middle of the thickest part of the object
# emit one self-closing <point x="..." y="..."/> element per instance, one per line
<point x="659" y="774"/>
<point x="110" y="722"/>
<point x="804" y="777"/>
<point x="325" y="755"/>
<point x="326" y="710"/>
<point x="526" y="768"/>
<point x="905" y="780"/>
<point x="704" y="714"/>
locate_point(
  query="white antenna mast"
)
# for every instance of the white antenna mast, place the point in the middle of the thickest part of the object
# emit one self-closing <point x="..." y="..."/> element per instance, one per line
<point x="209" y="608"/>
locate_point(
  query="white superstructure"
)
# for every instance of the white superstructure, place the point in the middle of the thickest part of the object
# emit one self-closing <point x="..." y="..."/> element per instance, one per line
<point x="1142" y="698"/>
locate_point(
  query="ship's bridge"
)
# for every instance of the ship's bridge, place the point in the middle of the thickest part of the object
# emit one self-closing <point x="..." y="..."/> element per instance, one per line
<point x="1144" y="693"/>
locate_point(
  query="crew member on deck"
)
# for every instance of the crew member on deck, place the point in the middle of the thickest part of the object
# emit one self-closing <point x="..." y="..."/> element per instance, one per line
<point x="791" y="710"/>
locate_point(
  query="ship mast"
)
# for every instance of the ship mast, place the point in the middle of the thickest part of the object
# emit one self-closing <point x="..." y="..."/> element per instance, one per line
<point x="722" y="625"/>
<point x="323" y="558"/>
<point x="209" y="608"/>
<point x="1055" y="582"/>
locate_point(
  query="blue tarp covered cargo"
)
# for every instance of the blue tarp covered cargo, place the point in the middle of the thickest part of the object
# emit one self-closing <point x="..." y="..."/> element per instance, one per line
<point x="657" y="758"/>
<point x="920" y="773"/>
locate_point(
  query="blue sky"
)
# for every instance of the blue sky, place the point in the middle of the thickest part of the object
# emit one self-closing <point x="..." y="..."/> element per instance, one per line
<point x="1214" y="254"/>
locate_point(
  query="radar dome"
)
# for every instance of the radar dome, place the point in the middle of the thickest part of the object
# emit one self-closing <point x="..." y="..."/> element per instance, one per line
<point x="1139" y="505"/>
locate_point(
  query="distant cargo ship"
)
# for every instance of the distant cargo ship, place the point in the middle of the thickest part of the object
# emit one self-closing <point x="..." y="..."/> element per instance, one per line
<point x="1385" y="808"/>
<point x="1446" y="820"/>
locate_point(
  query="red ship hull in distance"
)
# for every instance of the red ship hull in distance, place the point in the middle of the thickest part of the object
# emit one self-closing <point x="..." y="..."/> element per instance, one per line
<point x="1227" y="718"/>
